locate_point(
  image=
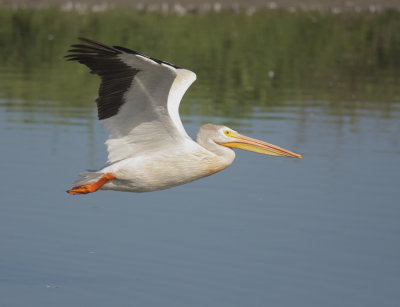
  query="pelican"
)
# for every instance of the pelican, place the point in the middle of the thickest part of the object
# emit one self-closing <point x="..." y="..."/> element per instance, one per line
<point x="148" y="148"/>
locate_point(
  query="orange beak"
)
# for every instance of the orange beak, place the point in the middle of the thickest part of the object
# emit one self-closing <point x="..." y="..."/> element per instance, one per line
<point x="254" y="145"/>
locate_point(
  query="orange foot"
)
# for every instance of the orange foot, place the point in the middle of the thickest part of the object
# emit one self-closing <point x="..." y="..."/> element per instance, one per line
<point x="93" y="187"/>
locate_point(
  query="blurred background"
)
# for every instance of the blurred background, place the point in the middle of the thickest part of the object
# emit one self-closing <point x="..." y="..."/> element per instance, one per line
<point x="320" y="78"/>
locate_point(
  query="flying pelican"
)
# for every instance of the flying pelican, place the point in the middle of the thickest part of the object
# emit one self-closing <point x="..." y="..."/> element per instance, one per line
<point x="148" y="148"/>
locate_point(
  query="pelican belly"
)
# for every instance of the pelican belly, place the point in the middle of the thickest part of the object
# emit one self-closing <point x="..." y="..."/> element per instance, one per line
<point x="162" y="171"/>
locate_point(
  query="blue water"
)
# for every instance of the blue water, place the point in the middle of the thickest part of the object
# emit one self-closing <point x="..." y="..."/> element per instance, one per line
<point x="267" y="231"/>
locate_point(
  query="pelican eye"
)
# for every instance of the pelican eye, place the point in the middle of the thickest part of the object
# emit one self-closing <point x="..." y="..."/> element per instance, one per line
<point x="228" y="133"/>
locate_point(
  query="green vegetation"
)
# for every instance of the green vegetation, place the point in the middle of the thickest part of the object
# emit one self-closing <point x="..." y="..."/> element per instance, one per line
<point x="267" y="59"/>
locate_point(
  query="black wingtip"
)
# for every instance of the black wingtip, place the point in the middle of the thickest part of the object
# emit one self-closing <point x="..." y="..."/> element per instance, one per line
<point x="126" y="50"/>
<point x="96" y="44"/>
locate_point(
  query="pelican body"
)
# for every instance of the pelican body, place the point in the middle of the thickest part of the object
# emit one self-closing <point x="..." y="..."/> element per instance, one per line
<point x="148" y="148"/>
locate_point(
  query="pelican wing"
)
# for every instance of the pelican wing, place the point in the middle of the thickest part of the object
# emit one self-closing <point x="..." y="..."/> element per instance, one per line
<point x="138" y="99"/>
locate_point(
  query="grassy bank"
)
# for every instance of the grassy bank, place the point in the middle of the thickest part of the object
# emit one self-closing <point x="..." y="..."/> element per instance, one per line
<point x="268" y="58"/>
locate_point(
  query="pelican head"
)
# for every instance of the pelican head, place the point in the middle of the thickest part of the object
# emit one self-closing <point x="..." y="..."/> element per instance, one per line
<point x="227" y="137"/>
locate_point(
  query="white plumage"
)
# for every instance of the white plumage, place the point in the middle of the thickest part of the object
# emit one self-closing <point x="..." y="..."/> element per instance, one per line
<point x="148" y="147"/>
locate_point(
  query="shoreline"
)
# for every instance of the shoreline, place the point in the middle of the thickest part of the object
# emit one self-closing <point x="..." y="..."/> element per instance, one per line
<point x="193" y="6"/>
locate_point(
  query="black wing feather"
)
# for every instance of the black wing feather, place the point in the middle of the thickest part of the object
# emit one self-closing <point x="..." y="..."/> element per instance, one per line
<point x="116" y="76"/>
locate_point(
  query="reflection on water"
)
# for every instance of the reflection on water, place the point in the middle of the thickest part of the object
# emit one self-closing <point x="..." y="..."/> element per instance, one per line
<point x="322" y="231"/>
<point x="267" y="59"/>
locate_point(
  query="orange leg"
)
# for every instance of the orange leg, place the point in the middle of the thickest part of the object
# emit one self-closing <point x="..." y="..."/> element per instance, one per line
<point x="93" y="187"/>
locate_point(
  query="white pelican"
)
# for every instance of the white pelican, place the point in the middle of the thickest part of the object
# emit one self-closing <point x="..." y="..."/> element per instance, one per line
<point x="148" y="148"/>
